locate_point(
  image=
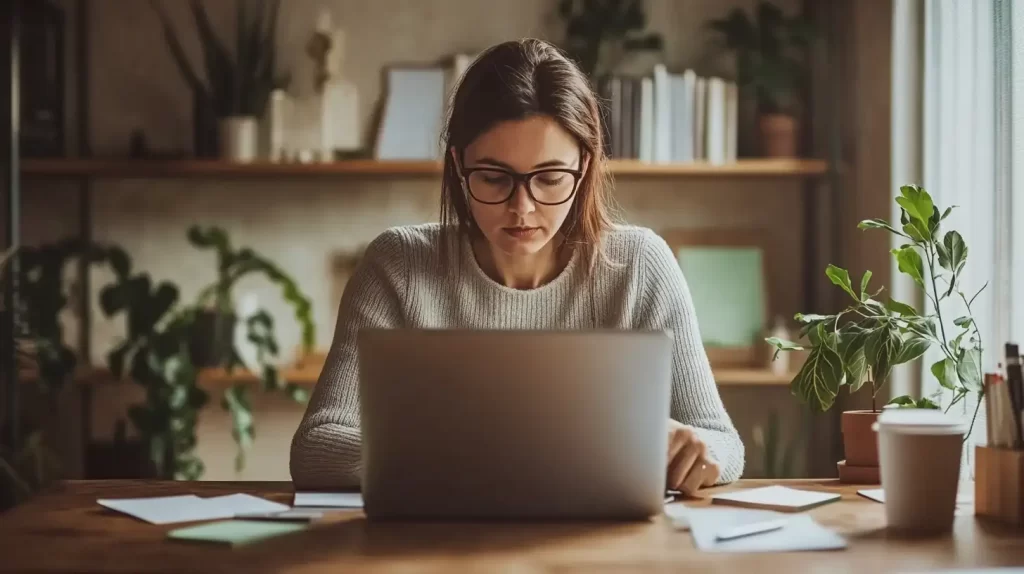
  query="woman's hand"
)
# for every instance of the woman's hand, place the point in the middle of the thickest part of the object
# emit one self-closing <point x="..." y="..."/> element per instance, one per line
<point x="689" y="465"/>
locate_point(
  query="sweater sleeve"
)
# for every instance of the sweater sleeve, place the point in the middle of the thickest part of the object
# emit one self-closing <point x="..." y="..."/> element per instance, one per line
<point x="326" y="448"/>
<point x="666" y="304"/>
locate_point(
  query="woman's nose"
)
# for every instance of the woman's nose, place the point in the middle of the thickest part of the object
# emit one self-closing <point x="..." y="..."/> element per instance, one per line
<point x="520" y="203"/>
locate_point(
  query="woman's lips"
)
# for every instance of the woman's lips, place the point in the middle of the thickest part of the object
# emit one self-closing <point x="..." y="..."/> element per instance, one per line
<point x="521" y="232"/>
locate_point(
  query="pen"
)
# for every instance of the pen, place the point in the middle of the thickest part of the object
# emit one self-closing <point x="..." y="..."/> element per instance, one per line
<point x="750" y="529"/>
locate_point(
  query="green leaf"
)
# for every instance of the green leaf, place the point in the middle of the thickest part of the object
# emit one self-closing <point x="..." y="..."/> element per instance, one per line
<point x="864" y="285"/>
<point x="783" y="345"/>
<point x="947" y="212"/>
<point x="926" y="403"/>
<point x="841" y="277"/>
<point x="902" y="401"/>
<point x="901" y="308"/>
<point x="910" y="262"/>
<point x="819" y="379"/>
<point x="916" y="201"/>
<point x="882" y="349"/>
<point x="856" y="366"/>
<point x="969" y="369"/>
<point x="911" y="349"/>
<point x="811" y="318"/>
<point x="916" y="231"/>
<point x="878" y="224"/>
<point x="963" y="321"/>
<point x="943" y="254"/>
<point x="957" y="250"/>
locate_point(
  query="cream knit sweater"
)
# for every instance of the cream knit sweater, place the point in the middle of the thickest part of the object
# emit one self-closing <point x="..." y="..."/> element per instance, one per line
<point x="401" y="283"/>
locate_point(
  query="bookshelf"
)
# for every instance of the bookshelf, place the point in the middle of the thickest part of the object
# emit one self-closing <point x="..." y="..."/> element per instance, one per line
<point x="194" y="168"/>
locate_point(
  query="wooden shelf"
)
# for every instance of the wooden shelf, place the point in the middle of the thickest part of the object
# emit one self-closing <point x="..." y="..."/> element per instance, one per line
<point x="307" y="375"/>
<point x="161" y="169"/>
<point x="750" y="377"/>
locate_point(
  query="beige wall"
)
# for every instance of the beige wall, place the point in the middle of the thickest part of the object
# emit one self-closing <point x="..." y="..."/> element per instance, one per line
<point x="306" y="224"/>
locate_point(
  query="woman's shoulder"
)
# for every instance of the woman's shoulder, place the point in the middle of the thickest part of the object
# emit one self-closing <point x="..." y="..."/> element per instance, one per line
<point x="402" y="240"/>
<point x="632" y="244"/>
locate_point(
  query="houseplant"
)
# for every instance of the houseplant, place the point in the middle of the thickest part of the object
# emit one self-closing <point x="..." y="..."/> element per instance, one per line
<point x="598" y="33"/>
<point x="771" y="61"/>
<point x="44" y="361"/>
<point x="864" y="341"/>
<point x="237" y="88"/>
<point x="157" y="354"/>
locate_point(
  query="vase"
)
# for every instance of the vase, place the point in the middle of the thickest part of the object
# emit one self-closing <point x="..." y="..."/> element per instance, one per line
<point x="860" y="444"/>
<point x="239" y="138"/>
<point x="778" y="135"/>
<point x="212" y="340"/>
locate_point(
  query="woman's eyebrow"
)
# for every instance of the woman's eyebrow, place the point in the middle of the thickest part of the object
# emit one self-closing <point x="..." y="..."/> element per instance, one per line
<point x="543" y="164"/>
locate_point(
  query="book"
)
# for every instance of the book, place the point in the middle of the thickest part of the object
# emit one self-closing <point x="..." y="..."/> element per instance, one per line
<point x="779" y="498"/>
<point x="235" y="532"/>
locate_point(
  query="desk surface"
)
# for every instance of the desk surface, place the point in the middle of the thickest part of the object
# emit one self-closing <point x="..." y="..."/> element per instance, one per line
<point x="65" y="531"/>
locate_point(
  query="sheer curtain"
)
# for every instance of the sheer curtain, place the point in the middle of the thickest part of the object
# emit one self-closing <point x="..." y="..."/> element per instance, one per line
<point x="971" y="135"/>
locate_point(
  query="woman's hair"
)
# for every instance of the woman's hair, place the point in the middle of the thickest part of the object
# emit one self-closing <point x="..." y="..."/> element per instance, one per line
<point x="513" y="81"/>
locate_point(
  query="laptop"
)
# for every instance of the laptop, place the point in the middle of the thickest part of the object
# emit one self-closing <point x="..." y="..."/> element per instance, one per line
<point x="514" y="424"/>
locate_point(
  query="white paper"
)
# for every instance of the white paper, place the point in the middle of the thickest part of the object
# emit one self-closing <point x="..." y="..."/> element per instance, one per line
<point x="236" y="504"/>
<point x="964" y="500"/>
<point x="329" y="499"/>
<point x="778" y="496"/>
<point x="801" y="532"/>
<point x="167" y="509"/>
<point x="189" y="507"/>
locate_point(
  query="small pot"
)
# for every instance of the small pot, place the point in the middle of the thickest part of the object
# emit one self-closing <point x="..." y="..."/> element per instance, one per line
<point x="212" y="339"/>
<point x="860" y="442"/>
<point x="778" y="135"/>
<point x="239" y="138"/>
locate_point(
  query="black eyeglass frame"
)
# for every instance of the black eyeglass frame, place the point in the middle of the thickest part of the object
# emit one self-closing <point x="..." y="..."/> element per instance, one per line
<point x="523" y="178"/>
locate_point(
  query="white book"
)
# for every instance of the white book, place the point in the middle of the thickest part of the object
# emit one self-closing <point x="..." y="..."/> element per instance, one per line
<point x="700" y="119"/>
<point x="731" y="121"/>
<point x="646" y="119"/>
<point x="662" y="115"/>
<point x="684" y="91"/>
<point x="778" y="498"/>
<point x="716" y="121"/>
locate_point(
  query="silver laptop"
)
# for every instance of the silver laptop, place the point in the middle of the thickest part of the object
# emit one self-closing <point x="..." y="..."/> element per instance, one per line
<point x="514" y="424"/>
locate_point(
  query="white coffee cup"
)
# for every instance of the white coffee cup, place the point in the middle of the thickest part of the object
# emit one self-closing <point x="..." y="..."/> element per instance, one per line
<point x="919" y="453"/>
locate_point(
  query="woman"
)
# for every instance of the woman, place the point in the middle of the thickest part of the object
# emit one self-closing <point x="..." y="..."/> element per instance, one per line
<point x="525" y="242"/>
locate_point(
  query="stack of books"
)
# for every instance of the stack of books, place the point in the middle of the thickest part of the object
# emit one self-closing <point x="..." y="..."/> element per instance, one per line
<point x="669" y="117"/>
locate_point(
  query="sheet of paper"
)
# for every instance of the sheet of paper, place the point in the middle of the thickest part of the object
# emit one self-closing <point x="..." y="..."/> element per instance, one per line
<point x="800" y="533"/>
<point x="329" y="499"/>
<point x="964" y="500"/>
<point x="168" y="509"/>
<point x="236" y="504"/>
<point x="778" y="496"/>
<point x="235" y="532"/>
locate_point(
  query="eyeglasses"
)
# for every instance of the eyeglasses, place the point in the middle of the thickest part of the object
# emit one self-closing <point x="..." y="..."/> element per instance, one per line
<point x="495" y="185"/>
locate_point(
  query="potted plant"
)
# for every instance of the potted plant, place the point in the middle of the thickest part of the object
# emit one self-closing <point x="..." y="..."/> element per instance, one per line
<point x="862" y="343"/>
<point x="237" y="89"/>
<point x="157" y="354"/>
<point x="599" y="33"/>
<point x="771" y="60"/>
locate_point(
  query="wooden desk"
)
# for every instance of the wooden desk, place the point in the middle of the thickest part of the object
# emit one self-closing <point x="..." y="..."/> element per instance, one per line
<point x="65" y="531"/>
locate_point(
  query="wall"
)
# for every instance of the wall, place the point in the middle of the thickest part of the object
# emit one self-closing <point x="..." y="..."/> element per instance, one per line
<point x="307" y="224"/>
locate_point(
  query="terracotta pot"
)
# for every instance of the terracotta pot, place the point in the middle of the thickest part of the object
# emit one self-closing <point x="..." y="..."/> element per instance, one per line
<point x="859" y="441"/>
<point x="778" y="135"/>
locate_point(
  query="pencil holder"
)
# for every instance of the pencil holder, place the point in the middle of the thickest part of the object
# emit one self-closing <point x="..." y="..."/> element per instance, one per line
<point x="999" y="484"/>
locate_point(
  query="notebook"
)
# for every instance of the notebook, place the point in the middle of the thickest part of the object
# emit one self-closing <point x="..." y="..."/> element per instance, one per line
<point x="235" y="532"/>
<point x="779" y="498"/>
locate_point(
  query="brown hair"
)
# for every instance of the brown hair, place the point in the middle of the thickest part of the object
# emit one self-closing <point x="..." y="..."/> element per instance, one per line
<point x="512" y="81"/>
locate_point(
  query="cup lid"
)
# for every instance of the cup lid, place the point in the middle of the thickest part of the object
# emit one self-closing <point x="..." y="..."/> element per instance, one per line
<point x="919" y="421"/>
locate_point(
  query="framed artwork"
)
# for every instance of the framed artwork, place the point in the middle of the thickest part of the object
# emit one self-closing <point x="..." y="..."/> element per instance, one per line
<point x="725" y="270"/>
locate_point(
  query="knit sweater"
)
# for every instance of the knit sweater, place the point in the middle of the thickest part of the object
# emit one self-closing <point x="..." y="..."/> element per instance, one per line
<point x="401" y="282"/>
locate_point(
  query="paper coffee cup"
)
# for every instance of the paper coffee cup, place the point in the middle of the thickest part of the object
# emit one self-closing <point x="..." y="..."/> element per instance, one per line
<point x="919" y="453"/>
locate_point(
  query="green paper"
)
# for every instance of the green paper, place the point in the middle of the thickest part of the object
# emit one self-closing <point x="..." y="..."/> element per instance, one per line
<point x="235" y="532"/>
<point x="728" y="292"/>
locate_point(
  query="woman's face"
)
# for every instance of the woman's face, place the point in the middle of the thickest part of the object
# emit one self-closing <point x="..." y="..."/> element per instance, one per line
<point x="498" y="161"/>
